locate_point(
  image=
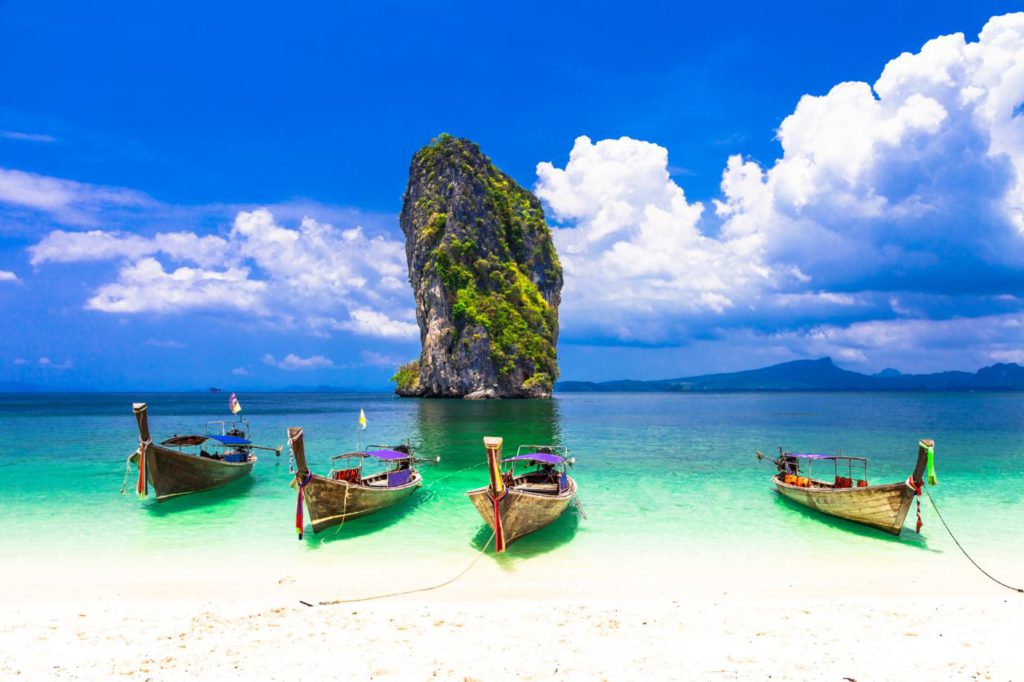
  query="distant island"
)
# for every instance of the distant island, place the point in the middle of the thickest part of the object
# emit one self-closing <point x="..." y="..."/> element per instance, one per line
<point x="816" y="375"/>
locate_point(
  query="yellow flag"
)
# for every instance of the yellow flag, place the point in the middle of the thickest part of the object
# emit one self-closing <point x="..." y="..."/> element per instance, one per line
<point x="362" y="418"/>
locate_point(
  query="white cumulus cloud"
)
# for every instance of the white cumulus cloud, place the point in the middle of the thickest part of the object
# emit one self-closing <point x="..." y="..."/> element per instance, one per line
<point x="631" y="245"/>
<point x="72" y="202"/>
<point x="375" y="323"/>
<point x="292" y="362"/>
<point x="313" y="276"/>
<point x="893" y="206"/>
<point x="60" y="246"/>
<point x="8" y="276"/>
<point x="146" y="287"/>
<point x="923" y="170"/>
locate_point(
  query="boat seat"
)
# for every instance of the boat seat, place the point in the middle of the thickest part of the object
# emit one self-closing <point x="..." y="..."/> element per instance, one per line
<point x="347" y="475"/>
<point x="862" y="484"/>
<point x="396" y="479"/>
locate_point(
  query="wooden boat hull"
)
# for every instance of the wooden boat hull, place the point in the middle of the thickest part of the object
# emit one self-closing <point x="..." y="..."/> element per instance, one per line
<point x="522" y="512"/>
<point x="879" y="506"/>
<point x="173" y="473"/>
<point x="330" y="502"/>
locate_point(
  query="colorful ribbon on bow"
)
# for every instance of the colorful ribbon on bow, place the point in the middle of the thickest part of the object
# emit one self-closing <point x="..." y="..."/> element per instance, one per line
<point x="917" y="493"/>
<point x="298" y="504"/>
<point x="932" y="480"/>
<point x="142" y="487"/>
<point x="499" y="533"/>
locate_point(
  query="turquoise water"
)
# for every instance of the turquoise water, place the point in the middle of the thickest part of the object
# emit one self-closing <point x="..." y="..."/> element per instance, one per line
<point x="655" y="472"/>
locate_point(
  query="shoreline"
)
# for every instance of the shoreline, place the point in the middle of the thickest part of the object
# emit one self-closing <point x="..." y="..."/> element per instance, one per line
<point x="670" y="612"/>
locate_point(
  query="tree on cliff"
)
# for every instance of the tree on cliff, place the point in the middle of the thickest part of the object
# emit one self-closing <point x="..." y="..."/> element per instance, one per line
<point x="485" y="276"/>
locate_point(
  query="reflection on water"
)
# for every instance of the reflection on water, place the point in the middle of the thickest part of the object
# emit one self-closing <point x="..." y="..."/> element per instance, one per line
<point x="455" y="429"/>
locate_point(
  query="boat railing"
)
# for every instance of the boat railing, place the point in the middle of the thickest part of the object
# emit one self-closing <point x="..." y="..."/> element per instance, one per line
<point x="791" y="463"/>
<point x="221" y="427"/>
<point x="561" y="450"/>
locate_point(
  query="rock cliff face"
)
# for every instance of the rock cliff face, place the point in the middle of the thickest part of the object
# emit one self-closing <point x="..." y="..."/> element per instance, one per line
<point x="485" y="276"/>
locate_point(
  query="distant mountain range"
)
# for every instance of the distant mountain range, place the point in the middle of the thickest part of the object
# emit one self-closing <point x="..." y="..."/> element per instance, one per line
<point x="817" y="375"/>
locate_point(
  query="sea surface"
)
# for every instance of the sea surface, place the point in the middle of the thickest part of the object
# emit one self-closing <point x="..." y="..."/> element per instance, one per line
<point x="656" y="473"/>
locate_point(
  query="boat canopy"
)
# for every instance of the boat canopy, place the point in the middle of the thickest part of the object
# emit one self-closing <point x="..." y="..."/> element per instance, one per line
<point x="545" y="457"/>
<point x="197" y="439"/>
<point x="803" y="455"/>
<point x="386" y="455"/>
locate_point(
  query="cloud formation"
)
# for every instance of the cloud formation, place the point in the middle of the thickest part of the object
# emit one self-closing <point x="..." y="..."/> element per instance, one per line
<point x="145" y="286"/>
<point x="68" y="201"/>
<point x="292" y="362"/>
<point x="313" y="276"/>
<point x="26" y="137"/>
<point x="631" y="244"/>
<point x="8" y="276"/>
<point x="895" y="208"/>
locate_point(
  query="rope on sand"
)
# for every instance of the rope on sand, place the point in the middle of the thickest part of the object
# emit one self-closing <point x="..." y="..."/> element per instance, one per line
<point x="418" y="589"/>
<point x="413" y="591"/>
<point x="969" y="558"/>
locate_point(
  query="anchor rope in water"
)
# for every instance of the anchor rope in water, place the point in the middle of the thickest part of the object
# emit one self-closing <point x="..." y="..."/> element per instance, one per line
<point x="969" y="558"/>
<point x="428" y="588"/>
<point x="449" y="475"/>
<point x="127" y="471"/>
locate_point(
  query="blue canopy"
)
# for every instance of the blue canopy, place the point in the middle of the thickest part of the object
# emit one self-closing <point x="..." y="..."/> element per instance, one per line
<point x="388" y="455"/>
<point x="545" y="457"/>
<point x="230" y="440"/>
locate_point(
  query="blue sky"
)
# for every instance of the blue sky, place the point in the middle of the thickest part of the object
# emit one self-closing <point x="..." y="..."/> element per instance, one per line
<point x="194" y="196"/>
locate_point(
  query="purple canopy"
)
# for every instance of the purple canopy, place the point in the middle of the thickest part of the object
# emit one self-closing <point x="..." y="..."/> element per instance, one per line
<point x="808" y="456"/>
<point x="545" y="457"/>
<point x="388" y="455"/>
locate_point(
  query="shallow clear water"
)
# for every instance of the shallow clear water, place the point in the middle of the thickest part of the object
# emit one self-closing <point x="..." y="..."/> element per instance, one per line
<point x="655" y="472"/>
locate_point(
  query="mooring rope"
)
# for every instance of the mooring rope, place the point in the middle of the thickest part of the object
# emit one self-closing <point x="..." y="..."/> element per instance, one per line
<point x="127" y="471"/>
<point x="449" y="475"/>
<point x="344" y="511"/>
<point x="413" y="591"/>
<point x="969" y="558"/>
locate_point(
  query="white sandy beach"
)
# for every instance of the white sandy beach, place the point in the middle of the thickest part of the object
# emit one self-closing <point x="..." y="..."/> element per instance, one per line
<point x="702" y="617"/>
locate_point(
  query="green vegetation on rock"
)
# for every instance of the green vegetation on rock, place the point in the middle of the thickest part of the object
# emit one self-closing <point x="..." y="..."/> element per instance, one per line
<point x="472" y="229"/>
<point x="407" y="377"/>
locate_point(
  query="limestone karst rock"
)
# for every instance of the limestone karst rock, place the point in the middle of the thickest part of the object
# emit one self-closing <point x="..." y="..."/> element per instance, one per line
<point x="485" y="276"/>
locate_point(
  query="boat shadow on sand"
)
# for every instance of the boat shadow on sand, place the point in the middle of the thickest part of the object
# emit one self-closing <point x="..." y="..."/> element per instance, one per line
<point x="558" y="533"/>
<point x="908" y="538"/>
<point x="365" y="525"/>
<point x="183" y="503"/>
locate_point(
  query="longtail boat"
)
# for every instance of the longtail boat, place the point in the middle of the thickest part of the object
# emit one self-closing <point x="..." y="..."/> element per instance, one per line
<point x="345" y="493"/>
<point x="844" y="490"/>
<point x="192" y="463"/>
<point x="514" y="505"/>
